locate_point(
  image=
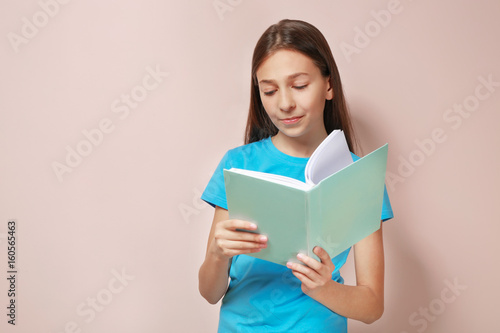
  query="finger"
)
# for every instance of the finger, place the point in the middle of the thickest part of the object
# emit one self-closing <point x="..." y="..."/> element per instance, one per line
<point x="324" y="256"/>
<point x="235" y="230"/>
<point x="239" y="224"/>
<point x="232" y="253"/>
<point x="306" y="280"/>
<point x="230" y="248"/>
<point x="249" y="237"/>
<point x="307" y="271"/>
<point x="303" y="278"/>
<point x="240" y="246"/>
<point x="242" y="236"/>
<point x="311" y="262"/>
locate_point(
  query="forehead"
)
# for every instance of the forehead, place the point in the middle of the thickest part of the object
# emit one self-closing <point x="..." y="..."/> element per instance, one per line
<point x="284" y="64"/>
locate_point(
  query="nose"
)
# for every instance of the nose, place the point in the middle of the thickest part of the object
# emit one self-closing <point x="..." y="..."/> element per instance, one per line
<point x="286" y="101"/>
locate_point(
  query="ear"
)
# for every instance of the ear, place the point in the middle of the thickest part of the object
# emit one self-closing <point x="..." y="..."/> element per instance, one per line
<point x="329" y="91"/>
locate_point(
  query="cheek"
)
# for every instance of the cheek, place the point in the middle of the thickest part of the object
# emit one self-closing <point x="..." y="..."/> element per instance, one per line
<point x="320" y="101"/>
<point x="313" y="102"/>
<point x="267" y="107"/>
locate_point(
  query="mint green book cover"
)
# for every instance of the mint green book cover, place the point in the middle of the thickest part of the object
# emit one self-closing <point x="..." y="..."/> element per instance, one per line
<point x="335" y="214"/>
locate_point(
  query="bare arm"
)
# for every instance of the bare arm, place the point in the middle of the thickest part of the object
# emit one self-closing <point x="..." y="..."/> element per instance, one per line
<point x="365" y="301"/>
<point x="224" y="242"/>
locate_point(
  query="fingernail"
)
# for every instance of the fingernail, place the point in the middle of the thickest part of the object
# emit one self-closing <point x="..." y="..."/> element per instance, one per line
<point x="300" y="256"/>
<point x="263" y="238"/>
<point x="253" y="226"/>
<point x="289" y="264"/>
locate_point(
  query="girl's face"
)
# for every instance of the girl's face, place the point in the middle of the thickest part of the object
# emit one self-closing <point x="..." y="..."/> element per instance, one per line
<point x="293" y="93"/>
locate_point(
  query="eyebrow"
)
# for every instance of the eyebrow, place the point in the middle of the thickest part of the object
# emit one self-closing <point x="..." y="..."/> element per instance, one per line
<point x="293" y="76"/>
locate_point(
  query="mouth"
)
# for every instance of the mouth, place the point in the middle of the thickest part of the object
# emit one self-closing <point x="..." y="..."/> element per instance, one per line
<point x="291" y="120"/>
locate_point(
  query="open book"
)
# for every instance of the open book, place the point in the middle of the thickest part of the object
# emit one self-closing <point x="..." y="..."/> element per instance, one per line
<point x="339" y="204"/>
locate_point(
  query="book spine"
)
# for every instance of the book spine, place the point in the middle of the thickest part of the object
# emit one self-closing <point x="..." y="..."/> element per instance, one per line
<point x="307" y="219"/>
<point x="315" y="213"/>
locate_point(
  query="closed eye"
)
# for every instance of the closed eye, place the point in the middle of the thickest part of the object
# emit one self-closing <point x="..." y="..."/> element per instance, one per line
<point x="269" y="93"/>
<point x="300" y="87"/>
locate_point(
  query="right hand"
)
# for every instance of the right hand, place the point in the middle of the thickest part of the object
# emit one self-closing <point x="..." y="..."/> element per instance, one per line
<point x="229" y="242"/>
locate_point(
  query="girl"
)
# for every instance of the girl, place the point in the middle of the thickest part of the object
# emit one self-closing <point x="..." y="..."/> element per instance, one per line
<point x="296" y="101"/>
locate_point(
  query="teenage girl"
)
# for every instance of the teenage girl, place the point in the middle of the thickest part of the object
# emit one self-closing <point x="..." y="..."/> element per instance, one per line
<point x="296" y="101"/>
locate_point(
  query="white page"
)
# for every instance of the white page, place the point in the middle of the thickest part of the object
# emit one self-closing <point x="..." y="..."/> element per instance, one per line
<point x="278" y="179"/>
<point x="331" y="156"/>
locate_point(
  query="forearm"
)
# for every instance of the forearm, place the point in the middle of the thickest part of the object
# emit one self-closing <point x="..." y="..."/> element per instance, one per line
<point x="225" y="241"/>
<point x="365" y="301"/>
<point x="355" y="302"/>
<point x="213" y="278"/>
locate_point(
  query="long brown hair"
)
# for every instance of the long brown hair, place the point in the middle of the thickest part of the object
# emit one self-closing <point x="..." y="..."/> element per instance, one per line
<point x="302" y="37"/>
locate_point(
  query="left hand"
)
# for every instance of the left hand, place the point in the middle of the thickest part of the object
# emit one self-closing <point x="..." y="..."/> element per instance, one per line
<point x="314" y="275"/>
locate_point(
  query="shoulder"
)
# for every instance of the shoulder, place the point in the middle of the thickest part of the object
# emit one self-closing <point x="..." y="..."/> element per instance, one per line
<point x="247" y="152"/>
<point x="243" y="157"/>
<point x="250" y="147"/>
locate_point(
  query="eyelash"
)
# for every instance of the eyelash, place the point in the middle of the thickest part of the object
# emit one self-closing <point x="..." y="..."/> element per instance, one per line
<point x="270" y="93"/>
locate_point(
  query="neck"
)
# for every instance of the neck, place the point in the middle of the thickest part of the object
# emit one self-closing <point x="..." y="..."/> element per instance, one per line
<point x="302" y="146"/>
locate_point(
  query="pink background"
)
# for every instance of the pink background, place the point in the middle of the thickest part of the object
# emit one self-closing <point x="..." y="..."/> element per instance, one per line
<point x="131" y="206"/>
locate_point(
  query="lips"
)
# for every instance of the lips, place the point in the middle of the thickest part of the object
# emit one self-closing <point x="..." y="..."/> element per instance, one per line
<point x="291" y="120"/>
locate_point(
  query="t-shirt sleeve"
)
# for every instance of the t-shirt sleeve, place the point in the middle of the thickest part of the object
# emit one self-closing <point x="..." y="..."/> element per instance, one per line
<point x="387" y="213"/>
<point x="215" y="192"/>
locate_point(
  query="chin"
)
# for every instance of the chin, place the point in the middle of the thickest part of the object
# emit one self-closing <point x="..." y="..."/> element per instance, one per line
<point x="293" y="133"/>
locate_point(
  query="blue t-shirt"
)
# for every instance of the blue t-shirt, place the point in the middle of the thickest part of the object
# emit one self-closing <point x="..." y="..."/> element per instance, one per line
<point x="263" y="296"/>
